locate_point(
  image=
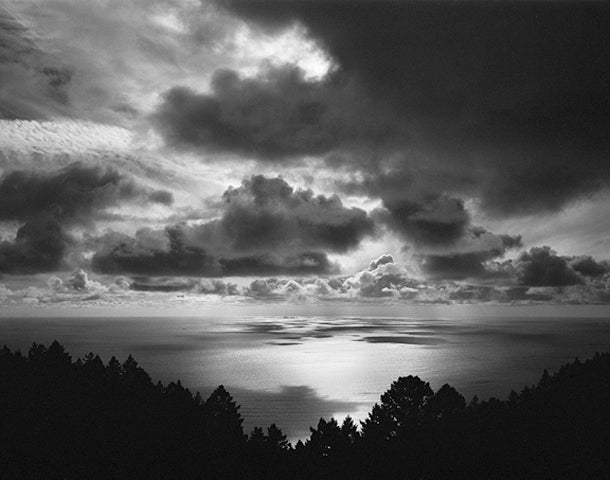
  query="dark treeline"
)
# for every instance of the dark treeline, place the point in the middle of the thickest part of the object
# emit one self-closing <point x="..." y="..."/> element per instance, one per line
<point x="64" y="419"/>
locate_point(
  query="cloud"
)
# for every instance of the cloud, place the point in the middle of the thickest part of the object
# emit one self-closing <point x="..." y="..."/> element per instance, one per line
<point x="473" y="256"/>
<point x="439" y="232"/>
<point x="148" y="284"/>
<point x="39" y="246"/>
<point x="46" y="203"/>
<point x="269" y="264"/>
<point x="139" y="255"/>
<point x="505" y="103"/>
<point x="265" y="228"/>
<point x="76" y="289"/>
<point x="268" y="212"/>
<point x="34" y="81"/>
<point x="274" y="115"/>
<point x="103" y="61"/>
<point x="384" y="281"/>
<point x="383" y="278"/>
<point x="71" y="194"/>
<point x="588" y="266"/>
<point x="437" y="220"/>
<point x="541" y="266"/>
<point x="217" y="287"/>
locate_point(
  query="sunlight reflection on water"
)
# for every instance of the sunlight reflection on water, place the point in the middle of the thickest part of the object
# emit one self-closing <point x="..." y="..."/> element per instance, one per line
<point x="292" y="370"/>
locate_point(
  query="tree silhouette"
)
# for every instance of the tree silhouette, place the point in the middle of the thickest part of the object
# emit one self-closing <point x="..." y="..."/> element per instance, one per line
<point x="65" y="419"/>
<point x="223" y="420"/>
<point x="402" y="409"/>
<point x="446" y="402"/>
<point x="325" y="438"/>
<point x="349" y="431"/>
<point x="276" y="439"/>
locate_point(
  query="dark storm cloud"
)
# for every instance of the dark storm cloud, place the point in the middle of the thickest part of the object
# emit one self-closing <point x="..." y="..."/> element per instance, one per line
<point x="146" y="284"/>
<point x="167" y="254"/>
<point x="589" y="267"/>
<point x="72" y="193"/>
<point x="306" y="263"/>
<point x="437" y="220"/>
<point x="39" y="246"/>
<point x="454" y="266"/>
<point x="440" y="230"/>
<point x="509" y="99"/>
<point x="483" y="247"/>
<point x="267" y="213"/>
<point x="46" y="203"/>
<point x="275" y="115"/>
<point x="541" y="266"/>
<point x="265" y="228"/>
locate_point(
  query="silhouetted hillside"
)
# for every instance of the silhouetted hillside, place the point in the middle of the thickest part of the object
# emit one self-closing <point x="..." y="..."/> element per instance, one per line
<point x="65" y="419"/>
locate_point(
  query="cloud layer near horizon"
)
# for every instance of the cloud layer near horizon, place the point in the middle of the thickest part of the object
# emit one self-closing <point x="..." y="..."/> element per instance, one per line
<point x="554" y="280"/>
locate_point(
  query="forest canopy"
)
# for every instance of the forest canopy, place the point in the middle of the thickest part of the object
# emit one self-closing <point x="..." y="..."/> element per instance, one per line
<point x="72" y="419"/>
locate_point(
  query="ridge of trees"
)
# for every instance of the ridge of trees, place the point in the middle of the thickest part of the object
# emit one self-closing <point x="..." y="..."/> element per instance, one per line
<point x="83" y="419"/>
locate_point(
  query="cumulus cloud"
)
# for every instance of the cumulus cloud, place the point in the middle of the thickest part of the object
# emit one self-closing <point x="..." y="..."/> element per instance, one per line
<point x="39" y="246"/>
<point x="217" y="287"/>
<point x="75" y="289"/>
<point x="588" y="266"/>
<point x="265" y="228"/>
<point x="275" y="115"/>
<point x="382" y="279"/>
<point x="475" y="255"/>
<point x="436" y="220"/>
<point x="541" y="266"/>
<point x="268" y="212"/>
<point x="439" y="232"/>
<point x="385" y="280"/>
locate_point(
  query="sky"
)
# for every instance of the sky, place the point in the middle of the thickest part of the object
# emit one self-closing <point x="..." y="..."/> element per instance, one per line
<point x="204" y="152"/>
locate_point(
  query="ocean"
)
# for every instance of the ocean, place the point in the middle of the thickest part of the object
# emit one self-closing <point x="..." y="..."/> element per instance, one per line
<point x="293" y="369"/>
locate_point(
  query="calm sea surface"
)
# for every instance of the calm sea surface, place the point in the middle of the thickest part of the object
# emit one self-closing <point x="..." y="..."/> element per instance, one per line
<point x="292" y="370"/>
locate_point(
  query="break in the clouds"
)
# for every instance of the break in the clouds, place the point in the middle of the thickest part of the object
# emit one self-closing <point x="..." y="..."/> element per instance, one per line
<point x="266" y="227"/>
